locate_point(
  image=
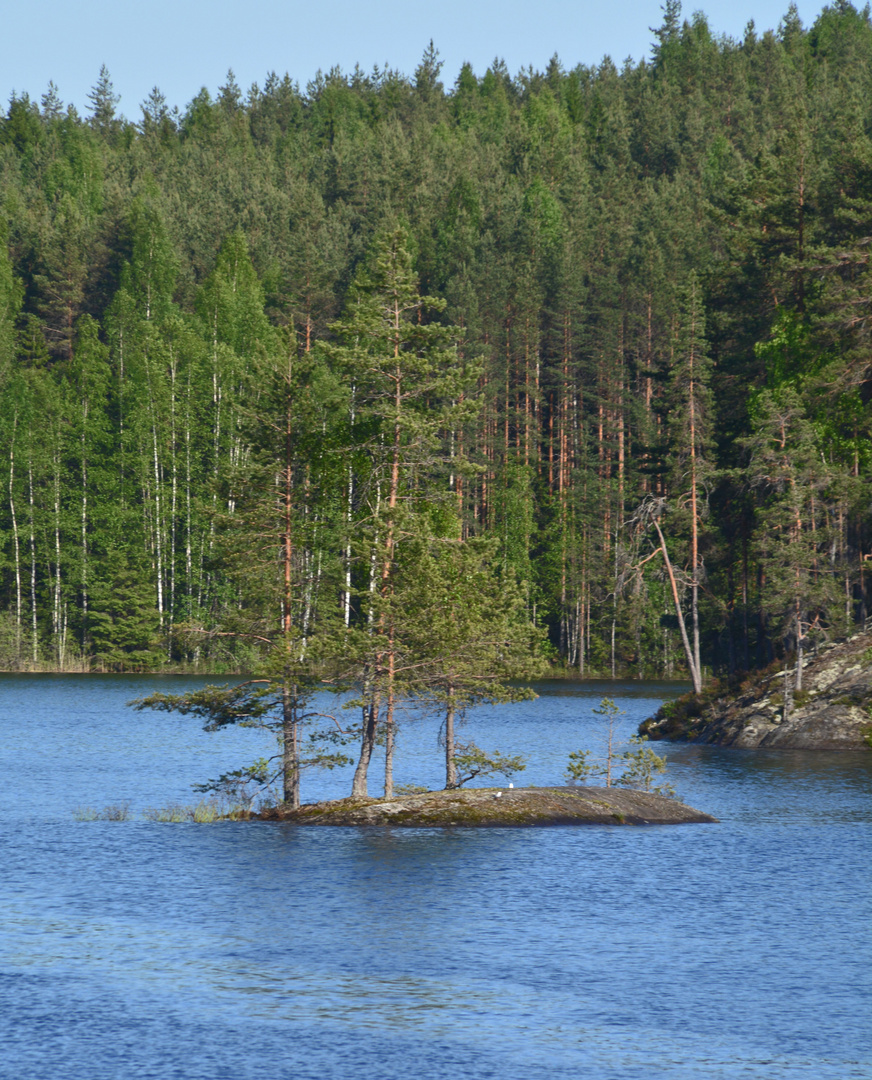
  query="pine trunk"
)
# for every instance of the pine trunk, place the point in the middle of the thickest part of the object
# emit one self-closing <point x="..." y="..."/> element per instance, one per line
<point x="290" y="749"/>
<point x="450" y="766"/>
<point x="367" y="745"/>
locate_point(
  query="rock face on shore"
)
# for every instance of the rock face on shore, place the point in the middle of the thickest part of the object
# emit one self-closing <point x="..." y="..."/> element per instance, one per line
<point x="495" y="807"/>
<point x="831" y="712"/>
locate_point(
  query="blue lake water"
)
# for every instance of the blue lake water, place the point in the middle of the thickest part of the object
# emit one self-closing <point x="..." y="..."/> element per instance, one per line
<point x="242" y="950"/>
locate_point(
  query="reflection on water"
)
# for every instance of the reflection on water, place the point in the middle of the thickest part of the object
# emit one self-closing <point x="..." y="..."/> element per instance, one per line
<point x="249" y="949"/>
<point x="657" y="690"/>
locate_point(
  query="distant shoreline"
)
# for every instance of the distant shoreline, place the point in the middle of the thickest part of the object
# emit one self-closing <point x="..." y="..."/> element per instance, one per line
<point x="558" y="676"/>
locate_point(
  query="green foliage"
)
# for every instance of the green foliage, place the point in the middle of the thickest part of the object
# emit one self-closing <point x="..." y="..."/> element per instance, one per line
<point x="578" y="261"/>
<point x="124" y="621"/>
<point x="789" y="355"/>
<point x="470" y="634"/>
<point x="10" y="305"/>
<point x="641" y="766"/>
<point x="279" y="704"/>
<point x="103" y="100"/>
<point x="609" y="712"/>
<point x="472" y="761"/>
<point x="579" y="767"/>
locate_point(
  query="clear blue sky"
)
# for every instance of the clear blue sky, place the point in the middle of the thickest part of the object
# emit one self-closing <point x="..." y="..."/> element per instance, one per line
<point x="182" y="45"/>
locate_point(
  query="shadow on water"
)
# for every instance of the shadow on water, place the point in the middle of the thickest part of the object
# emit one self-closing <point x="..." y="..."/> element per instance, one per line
<point x="611" y="688"/>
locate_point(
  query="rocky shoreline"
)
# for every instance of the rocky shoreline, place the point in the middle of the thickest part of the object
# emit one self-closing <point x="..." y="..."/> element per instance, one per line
<point x="832" y="711"/>
<point x="499" y="807"/>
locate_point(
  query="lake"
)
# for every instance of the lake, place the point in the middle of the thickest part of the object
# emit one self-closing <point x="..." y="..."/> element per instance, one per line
<point x="244" y="949"/>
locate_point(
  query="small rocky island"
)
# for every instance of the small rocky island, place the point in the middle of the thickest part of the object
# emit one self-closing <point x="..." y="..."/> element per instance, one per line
<point x="830" y="712"/>
<point x="499" y="807"/>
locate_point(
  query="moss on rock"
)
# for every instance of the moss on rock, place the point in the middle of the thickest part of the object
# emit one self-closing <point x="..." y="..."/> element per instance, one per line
<point x="495" y="807"/>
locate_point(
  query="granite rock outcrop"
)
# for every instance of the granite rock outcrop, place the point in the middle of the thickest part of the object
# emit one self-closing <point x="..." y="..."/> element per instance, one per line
<point x="832" y="711"/>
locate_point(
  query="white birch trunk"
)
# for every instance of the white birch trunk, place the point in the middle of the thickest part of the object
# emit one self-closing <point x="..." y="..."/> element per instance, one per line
<point x="15" y="542"/>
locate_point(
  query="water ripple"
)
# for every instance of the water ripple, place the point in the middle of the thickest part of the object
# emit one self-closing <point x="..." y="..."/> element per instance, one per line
<point x="143" y="950"/>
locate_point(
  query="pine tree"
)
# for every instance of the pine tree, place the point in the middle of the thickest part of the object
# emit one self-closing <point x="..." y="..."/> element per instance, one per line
<point x="786" y="467"/>
<point x="406" y="385"/>
<point x="463" y="629"/>
<point x="273" y="538"/>
<point x="690" y="421"/>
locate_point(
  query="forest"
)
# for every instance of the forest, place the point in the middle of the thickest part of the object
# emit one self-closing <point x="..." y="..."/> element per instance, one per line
<point x="446" y="385"/>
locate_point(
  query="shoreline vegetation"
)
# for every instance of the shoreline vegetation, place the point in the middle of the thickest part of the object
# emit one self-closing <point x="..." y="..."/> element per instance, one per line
<point x="555" y="673"/>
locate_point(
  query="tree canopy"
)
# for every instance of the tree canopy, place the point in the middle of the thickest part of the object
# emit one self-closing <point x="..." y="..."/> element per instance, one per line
<point x="259" y="355"/>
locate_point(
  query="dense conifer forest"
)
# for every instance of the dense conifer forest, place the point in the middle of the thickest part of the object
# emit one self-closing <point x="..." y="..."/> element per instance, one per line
<point x="385" y="360"/>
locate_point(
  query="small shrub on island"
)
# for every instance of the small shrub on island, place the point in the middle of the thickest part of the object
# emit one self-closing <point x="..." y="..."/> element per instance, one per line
<point x="579" y="768"/>
<point x="641" y="764"/>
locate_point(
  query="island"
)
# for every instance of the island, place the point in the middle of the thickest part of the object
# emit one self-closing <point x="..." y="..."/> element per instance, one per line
<point x="498" y="807"/>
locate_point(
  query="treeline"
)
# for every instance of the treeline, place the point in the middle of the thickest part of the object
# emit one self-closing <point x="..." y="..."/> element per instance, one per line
<point x="644" y="376"/>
